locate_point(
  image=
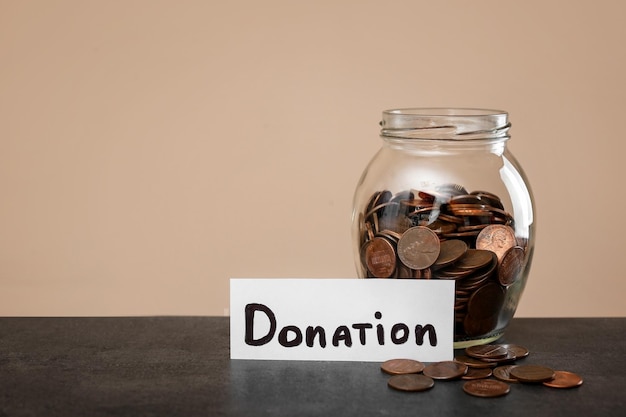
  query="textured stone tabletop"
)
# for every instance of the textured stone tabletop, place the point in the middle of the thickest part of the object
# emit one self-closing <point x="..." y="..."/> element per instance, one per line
<point x="180" y="366"/>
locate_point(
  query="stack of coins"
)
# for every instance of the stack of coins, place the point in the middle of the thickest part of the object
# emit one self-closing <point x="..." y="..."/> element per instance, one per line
<point x="487" y="370"/>
<point x="447" y="233"/>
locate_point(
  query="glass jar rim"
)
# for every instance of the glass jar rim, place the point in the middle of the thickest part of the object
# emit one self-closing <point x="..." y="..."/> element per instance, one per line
<point x="445" y="123"/>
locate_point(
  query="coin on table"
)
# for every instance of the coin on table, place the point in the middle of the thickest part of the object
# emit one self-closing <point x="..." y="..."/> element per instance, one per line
<point x="503" y="373"/>
<point x="486" y="351"/>
<point x="518" y="351"/>
<point x="402" y="366"/>
<point x="477" y="373"/>
<point x="473" y="362"/>
<point x="380" y="257"/>
<point x="510" y="357"/>
<point x="419" y="247"/>
<point x="411" y="382"/>
<point x="532" y="373"/>
<point x="564" y="379"/>
<point x="445" y="370"/>
<point x="497" y="238"/>
<point x="486" y="388"/>
<point x="511" y="266"/>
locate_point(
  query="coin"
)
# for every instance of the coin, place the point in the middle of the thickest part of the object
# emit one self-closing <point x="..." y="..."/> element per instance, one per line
<point x="402" y="366"/>
<point x="486" y="301"/>
<point x="395" y="223"/>
<point x="486" y="351"/>
<point x="441" y="227"/>
<point x="477" y="373"/>
<point x="564" y="379"/>
<point x="380" y="257"/>
<point x="450" y="251"/>
<point x="411" y="382"/>
<point x="465" y="199"/>
<point x="518" y="351"/>
<point x="486" y="388"/>
<point x="475" y="327"/>
<point x="511" y="266"/>
<point x="489" y="198"/>
<point x="419" y="247"/>
<point x="497" y="238"/>
<point x="445" y="370"/>
<point x="510" y="357"/>
<point x="532" y="373"/>
<point x="473" y="362"/>
<point x="474" y="259"/>
<point x="503" y="373"/>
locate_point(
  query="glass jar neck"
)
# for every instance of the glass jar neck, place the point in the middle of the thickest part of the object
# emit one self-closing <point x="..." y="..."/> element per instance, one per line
<point x="446" y="124"/>
<point x="445" y="128"/>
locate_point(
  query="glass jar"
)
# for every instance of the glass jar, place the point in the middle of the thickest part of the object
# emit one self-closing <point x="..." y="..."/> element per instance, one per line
<point x="444" y="198"/>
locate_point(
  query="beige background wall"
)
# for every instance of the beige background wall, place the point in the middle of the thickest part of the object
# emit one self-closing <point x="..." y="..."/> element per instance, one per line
<point x="151" y="150"/>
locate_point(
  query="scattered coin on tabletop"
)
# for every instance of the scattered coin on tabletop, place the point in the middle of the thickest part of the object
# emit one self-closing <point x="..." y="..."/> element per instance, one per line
<point x="475" y="367"/>
<point x="532" y="373"/>
<point x="473" y="362"/>
<point x="487" y="388"/>
<point x="503" y="373"/>
<point x="477" y="373"/>
<point x="411" y="382"/>
<point x="445" y="370"/>
<point x="517" y="350"/>
<point x="402" y="366"/>
<point x="564" y="379"/>
<point x="487" y="351"/>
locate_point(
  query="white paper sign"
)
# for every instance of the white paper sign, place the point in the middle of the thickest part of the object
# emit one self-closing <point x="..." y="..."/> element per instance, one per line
<point x="369" y="320"/>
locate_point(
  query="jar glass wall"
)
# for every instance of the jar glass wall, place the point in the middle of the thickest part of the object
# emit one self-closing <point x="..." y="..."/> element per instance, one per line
<point x="443" y="198"/>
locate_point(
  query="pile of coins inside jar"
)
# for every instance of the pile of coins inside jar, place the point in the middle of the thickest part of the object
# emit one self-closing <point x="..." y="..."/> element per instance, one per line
<point x="477" y="366"/>
<point x="447" y="233"/>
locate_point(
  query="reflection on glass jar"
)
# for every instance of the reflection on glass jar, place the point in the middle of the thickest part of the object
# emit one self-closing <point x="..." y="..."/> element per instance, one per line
<point x="444" y="198"/>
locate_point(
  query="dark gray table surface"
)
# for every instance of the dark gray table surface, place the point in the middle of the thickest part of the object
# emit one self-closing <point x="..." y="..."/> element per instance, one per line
<point x="180" y="366"/>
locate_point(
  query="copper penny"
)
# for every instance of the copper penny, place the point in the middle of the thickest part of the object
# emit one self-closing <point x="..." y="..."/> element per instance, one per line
<point x="486" y="388"/>
<point x="441" y="227"/>
<point x="473" y="362"/>
<point x="517" y="350"/>
<point x="465" y="199"/>
<point x="532" y="373"/>
<point x="396" y="223"/>
<point x="486" y="301"/>
<point x="510" y="357"/>
<point x="477" y="373"/>
<point x="402" y="366"/>
<point x="474" y="259"/>
<point x="497" y="238"/>
<point x="564" y="379"/>
<point x="450" y="251"/>
<point x="511" y="266"/>
<point x="380" y="257"/>
<point x="445" y="370"/>
<point x="503" y="373"/>
<point x="486" y="352"/>
<point x="480" y="326"/>
<point x="411" y="382"/>
<point x="419" y="247"/>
